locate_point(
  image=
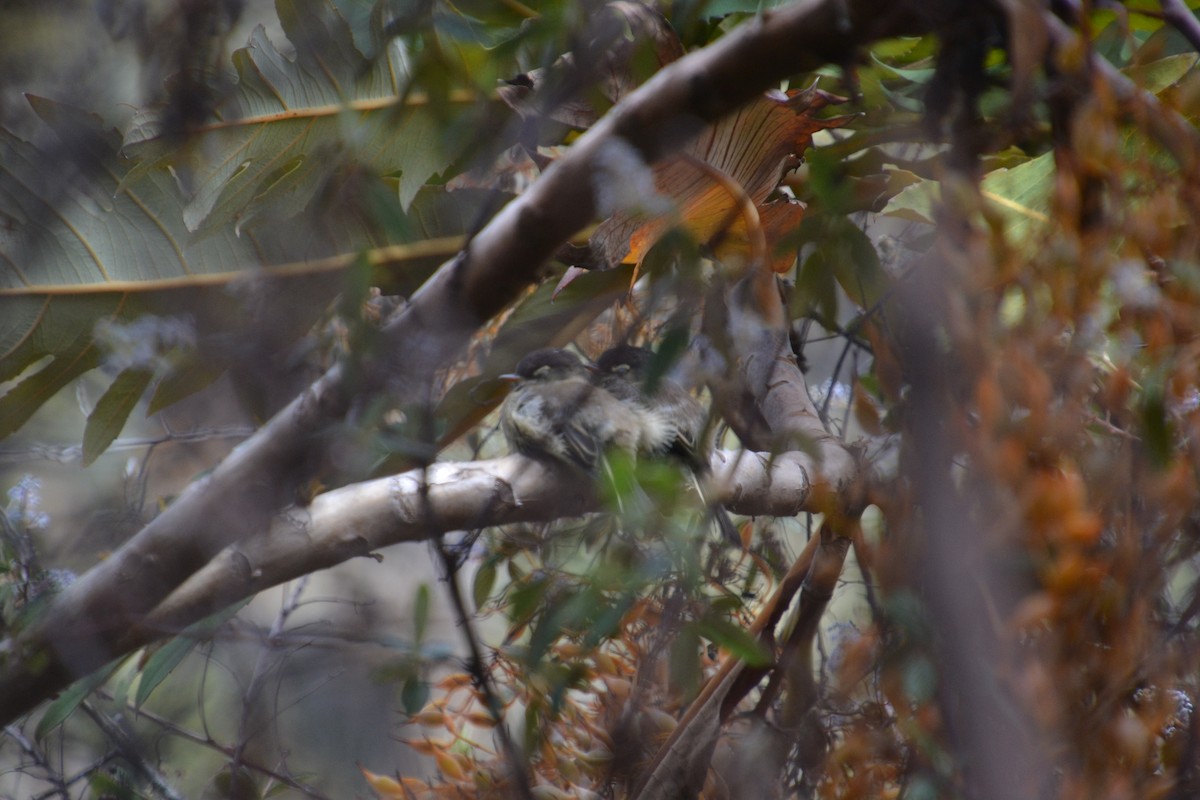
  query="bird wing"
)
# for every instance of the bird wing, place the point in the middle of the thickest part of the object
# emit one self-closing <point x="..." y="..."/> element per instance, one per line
<point x="582" y="446"/>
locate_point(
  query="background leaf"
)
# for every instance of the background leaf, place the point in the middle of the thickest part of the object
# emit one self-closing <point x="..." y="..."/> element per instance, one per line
<point x="112" y="409"/>
<point x="62" y="707"/>
<point x="169" y="656"/>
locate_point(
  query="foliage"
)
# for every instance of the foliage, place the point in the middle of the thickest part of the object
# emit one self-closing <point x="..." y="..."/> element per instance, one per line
<point x="996" y="232"/>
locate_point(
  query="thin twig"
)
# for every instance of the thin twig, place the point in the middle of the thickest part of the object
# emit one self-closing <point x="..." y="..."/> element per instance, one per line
<point x="80" y="775"/>
<point x="39" y="758"/>
<point x="130" y="752"/>
<point x="205" y="740"/>
<point x="73" y="454"/>
<point x="850" y="397"/>
<point x="478" y="669"/>
<point x="837" y="370"/>
<point x="290" y="602"/>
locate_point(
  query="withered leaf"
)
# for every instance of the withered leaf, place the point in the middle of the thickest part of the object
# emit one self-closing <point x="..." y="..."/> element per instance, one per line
<point x="752" y="149"/>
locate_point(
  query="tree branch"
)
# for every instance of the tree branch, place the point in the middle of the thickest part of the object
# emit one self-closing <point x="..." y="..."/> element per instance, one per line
<point x="1182" y="19"/>
<point x="239" y="498"/>
<point x="360" y="519"/>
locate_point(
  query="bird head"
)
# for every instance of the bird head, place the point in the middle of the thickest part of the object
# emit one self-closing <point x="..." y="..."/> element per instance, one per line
<point x="626" y="361"/>
<point x="547" y="364"/>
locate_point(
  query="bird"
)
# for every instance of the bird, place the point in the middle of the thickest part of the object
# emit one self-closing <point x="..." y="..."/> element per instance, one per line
<point x="556" y="412"/>
<point x="624" y="371"/>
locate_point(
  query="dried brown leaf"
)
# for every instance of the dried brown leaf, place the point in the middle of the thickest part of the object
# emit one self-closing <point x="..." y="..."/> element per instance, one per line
<point x="753" y="148"/>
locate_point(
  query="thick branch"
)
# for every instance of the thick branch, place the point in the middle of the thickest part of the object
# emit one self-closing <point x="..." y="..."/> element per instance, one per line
<point x="1181" y="17"/>
<point x="360" y="519"/>
<point x="766" y="373"/>
<point x="237" y="500"/>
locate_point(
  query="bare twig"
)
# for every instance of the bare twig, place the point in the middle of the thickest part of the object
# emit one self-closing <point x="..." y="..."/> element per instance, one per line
<point x="78" y="776"/>
<point x="130" y="752"/>
<point x="833" y="380"/>
<point x="73" y="454"/>
<point x="477" y="668"/>
<point x="51" y="775"/>
<point x="205" y="740"/>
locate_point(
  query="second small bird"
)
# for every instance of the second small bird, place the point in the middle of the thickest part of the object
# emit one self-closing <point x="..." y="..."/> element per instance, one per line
<point x="556" y="412"/>
<point x="624" y="372"/>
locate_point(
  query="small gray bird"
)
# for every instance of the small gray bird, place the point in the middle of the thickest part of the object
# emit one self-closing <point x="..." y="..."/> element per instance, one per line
<point x="623" y="371"/>
<point x="556" y="412"/>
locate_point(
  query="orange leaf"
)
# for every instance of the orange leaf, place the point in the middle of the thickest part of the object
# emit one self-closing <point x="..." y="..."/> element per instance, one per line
<point x="451" y="765"/>
<point x="403" y="789"/>
<point x="455" y="680"/>
<point x="430" y="717"/>
<point x="426" y="746"/>
<point x="751" y="149"/>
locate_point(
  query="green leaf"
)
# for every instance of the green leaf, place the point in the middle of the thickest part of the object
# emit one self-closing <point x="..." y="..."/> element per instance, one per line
<point x="60" y="358"/>
<point x="1157" y="430"/>
<point x="1018" y="196"/>
<point x="262" y="185"/>
<point x="122" y="681"/>
<point x="721" y="8"/>
<point x="169" y="656"/>
<point x="115" y="783"/>
<point x="1021" y="196"/>
<point x="83" y="264"/>
<point x="233" y="786"/>
<point x="909" y="48"/>
<point x="859" y="271"/>
<point x="912" y="75"/>
<point x="1159" y="75"/>
<point x="919" y="678"/>
<point x="485" y="581"/>
<point x="414" y="695"/>
<point x="107" y="419"/>
<point x="191" y="374"/>
<point x="734" y="639"/>
<point x="914" y="203"/>
<point x="844" y="251"/>
<point x="65" y="704"/>
<point x="96" y="234"/>
<point x="684" y="662"/>
<point x="420" y="612"/>
<point x="558" y="618"/>
<point x="815" y="290"/>
<point x="294" y="124"/>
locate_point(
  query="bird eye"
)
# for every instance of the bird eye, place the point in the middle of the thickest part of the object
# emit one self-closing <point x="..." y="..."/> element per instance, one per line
<point x="621" y="369"/>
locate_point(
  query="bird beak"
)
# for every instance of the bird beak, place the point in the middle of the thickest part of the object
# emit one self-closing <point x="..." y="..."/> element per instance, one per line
<point x="509" y="377"/>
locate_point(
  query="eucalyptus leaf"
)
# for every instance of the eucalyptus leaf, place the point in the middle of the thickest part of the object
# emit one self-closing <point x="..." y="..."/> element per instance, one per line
<point x="1159" y="75"/>
<point x="1018" y="196"/>
<point x="62" y="707"/>
<point x="485" y="581"/>
<point x="414" y="694"/>
<point x="170" y="655"/>
<point x="420" y="612"/>
<point x="108" y="417"/>
<point x="735" y="639"/>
